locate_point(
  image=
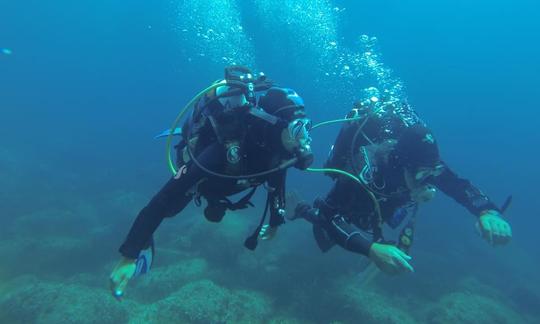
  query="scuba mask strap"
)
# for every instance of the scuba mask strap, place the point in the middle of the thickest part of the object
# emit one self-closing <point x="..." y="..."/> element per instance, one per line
<point x="295" y="107"/>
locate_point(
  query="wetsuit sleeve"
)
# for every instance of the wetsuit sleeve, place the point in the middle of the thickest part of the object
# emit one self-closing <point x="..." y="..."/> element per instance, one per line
<point x="463" y="192"/>
<point x="348" y="236"/>
<point x="338" y="227"/>
<point x="276" y="196"/>
<point x="169" y="201"/>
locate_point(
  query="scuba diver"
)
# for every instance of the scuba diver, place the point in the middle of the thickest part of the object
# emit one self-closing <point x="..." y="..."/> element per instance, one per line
<point x="385" y="162"/>
<point x="243" y="132"/>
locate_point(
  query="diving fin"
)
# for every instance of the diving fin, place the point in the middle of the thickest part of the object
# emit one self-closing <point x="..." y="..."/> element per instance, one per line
<point x="506" y="204"/>
<point x="145" y="260"/>
<point x="324" y="242"/>
<point x="167" y="132"/>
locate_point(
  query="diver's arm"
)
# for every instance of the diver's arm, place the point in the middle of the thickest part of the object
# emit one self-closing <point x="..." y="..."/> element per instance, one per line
<point x="464" y="192"/>
<point x="337" y="226"/>
<point x="348" y="236"/>
<point x="169" y="201"/>
<point x="491" y="224"/>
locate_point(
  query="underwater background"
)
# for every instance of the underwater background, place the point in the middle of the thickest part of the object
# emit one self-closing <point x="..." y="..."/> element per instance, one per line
<point x="86" y="85"/>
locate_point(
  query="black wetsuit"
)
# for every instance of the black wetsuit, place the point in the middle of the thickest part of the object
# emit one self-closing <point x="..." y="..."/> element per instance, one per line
<point x="347" y="212"/>
<point x="179" y="191"/>
<point x="347" y="216"/>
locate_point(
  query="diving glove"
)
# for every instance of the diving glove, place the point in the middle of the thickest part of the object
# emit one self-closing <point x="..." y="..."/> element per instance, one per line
<point x="389" y="259"/>
<point x="494" y="228"/>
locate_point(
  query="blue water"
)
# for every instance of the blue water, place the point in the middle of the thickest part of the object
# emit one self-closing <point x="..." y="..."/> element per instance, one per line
<point x="86" y="85"/>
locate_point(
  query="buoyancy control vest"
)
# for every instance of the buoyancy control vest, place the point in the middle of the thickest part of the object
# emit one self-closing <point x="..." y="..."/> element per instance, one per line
<point x="227" y="113"/>
<point x="240" y="110"/>
<point x="363" y="143"/>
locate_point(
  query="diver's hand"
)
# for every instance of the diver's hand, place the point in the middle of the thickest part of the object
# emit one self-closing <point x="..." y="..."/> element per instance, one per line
<point x="120" y="276"/>
<point x="268" y="232"/>
<point x="389" y="259"/>
<point x="494" y="228"/>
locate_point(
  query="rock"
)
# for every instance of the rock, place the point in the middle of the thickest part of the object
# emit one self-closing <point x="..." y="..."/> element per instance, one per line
<point x="248" y="307"/>
<point x="33" y="301"/>
<point x="162" y="281"/>
<point x="288" y="320"/>
<point x="526" y="299"/>
<point x="197" y="302"/>
<point x="466" y="307"/>
<point x="205" y="302"/>
<point x="353" y="301"/>
<point x="148" y="314"/>
<point x="373" y="307"/>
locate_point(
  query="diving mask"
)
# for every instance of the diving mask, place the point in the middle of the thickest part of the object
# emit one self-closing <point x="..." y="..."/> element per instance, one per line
<point x="296" y="135"/>
<point x="296" y="139"/>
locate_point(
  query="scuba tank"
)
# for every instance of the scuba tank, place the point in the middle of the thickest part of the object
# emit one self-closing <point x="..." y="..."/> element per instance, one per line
<point x="375" y="123"/>
<point x="226" y="111"/>
<point x="221" y="115"/>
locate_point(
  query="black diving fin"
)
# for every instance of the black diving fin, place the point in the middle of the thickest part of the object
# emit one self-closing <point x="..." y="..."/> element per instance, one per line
<point x="506" y="204"/>
<point x="324" y="242"/>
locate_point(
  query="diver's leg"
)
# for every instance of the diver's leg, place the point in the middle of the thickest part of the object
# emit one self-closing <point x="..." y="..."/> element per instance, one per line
<point x="305" y="211"/>
<point x="329" y="228"/>
<point x="170" y="200"/>
<point x="313" y="214"/>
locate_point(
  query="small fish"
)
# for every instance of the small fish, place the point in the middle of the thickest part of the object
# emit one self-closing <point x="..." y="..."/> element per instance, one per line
<point x="6" y="51"/>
